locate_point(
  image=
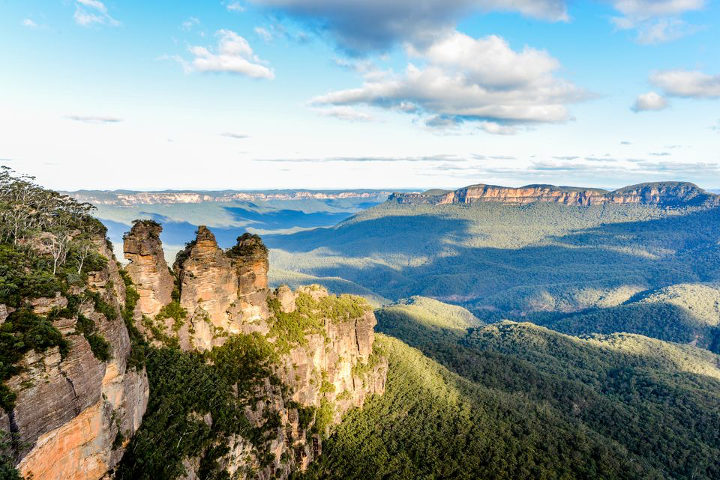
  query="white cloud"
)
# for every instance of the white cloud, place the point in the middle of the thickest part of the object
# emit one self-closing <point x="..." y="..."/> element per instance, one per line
<point x="94" y="119"/>
<point x="233" y="55"/>
<point x="29" y="23"/>
<point x="236" y="136"/>
<point x="497" y="129"/>
<point x="235" y="7"/>
<point x="377" y="24"/>
<point x="656" y="8"/>
<point x="264" y="34"/>
<point x="346" y="113"/>
<point x="467" y="79"/>
<point x="656" y="21"/>
<point x="684" y="83"/>
<point x="190" y="23"/>
<point x="649" y="101"/>
<point x="89" y="12"/>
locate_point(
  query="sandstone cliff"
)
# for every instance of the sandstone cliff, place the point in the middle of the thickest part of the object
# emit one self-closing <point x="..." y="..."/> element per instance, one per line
<point x="74" y="411"/>
<point x="147" y="268"/>
<point x="664" y="194"/>
<point x="323" y="360"/>
<point x="164" y="198"/>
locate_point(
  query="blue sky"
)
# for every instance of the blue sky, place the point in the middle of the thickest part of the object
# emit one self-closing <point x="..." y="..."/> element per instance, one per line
<point x="264" y="94"/>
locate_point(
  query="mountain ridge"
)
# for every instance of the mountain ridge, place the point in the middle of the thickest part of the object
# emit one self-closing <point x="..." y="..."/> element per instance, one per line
<point x="667" y="194"/>
<point x="165" y="197"/>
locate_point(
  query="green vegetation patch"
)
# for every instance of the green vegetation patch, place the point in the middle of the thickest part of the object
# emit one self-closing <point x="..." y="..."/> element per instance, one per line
<point x="431" y="423"/>
<point x="309" y="317"/>
<point x="21" y="332"/>
<point x="196" y="403"/>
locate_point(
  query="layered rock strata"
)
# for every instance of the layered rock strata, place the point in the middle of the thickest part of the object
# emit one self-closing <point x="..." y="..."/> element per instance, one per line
<point x="148" y="269"/>
<point x="668" y="194"/>
<point x="74" y="413"/>
<point x="331" y="369"/>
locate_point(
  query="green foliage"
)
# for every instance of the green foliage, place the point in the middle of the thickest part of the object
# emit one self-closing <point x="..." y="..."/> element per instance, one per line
<point x="244" y="361"/>
<point x="324" y="417"/>
<point x="504" y="261"/>
<point x="24" y="275"/>
<point x="431" y="423"/>
<point x="680" y="313"/>
<point x="186" y="389"/>
<point x="7" y="462"/>
<point x="21" y="332"/>
<point x="653" y="405"/>
<point x="309" y="317"/>
<point x="430" y="313"/>
<point x="174" y="311"/>
<point x="101" y="305"/>
<point x="138" y="344"/>
<point x="98" y="345"/>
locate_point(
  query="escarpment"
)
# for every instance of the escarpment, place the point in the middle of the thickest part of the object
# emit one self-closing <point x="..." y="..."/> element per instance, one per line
<point x="74" y="399"/>
<point x="664" y="194"/>
<point x="289" y="364"/>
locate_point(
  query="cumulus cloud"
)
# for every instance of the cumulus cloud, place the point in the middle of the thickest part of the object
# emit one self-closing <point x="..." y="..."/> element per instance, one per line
<point x="466" y="79"/>
<point x="363" y="25"/>
<point x="29" y="23"/>
<point x="233" y="54"/>
<point x="689" y="84"/>
<point x="90" y="12"/>
<point x="650" y="101"/>
<point x="656" y="21"/>
<point x="344" y="113"/>
<point x="93" y="119"/>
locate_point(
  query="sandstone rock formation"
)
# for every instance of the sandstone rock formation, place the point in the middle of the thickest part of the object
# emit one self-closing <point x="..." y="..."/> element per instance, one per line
<point x="147" y="268"/>
<point x="665" y="194"/>
<point x="331" y="369"/>
<point x="71" y="411"/>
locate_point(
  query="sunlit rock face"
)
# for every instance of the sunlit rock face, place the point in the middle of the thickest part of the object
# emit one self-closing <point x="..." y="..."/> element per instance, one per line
<point x="333" y="368"/>
<point x="74" y="414"/>
<point x="666" y="194"/>
<point x="147" y="267"/>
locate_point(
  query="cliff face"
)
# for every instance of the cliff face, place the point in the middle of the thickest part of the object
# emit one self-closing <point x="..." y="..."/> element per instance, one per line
<point x="73" y="410"/>
<point x="666" y="194"/>
<point x="332" y="371"/>
<point x="150" y="198"/>
<point x="147" y="268"/>
<point x="323" y="346"/>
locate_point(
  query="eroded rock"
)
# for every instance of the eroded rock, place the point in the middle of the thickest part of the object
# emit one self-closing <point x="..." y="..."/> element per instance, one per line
<point x="147" y="268"/>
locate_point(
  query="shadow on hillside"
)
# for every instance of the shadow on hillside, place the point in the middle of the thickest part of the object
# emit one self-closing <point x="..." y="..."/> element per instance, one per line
<point x="382" y="255"/>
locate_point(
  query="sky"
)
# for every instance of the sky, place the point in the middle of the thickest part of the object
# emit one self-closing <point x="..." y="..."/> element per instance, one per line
<point x="341" y="94"/>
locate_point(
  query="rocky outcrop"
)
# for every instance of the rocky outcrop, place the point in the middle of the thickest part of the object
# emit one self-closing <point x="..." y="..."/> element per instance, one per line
<point x="334" y="370"/>
<point x="664" y="194"/>
<point x="147" y="267"/>
<point x="324" y="362"/>
<point x="208" y="287"/>
<point x="73" y="411"/>
<point x="250" y="261"/>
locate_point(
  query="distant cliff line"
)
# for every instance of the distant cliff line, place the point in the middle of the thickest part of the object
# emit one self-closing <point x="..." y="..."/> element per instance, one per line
<point x="125" y="197"/>
<point x="664" y="194"/>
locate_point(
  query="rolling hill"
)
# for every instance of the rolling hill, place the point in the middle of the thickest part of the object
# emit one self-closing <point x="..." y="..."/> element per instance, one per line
<point x="511" y="261"/>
